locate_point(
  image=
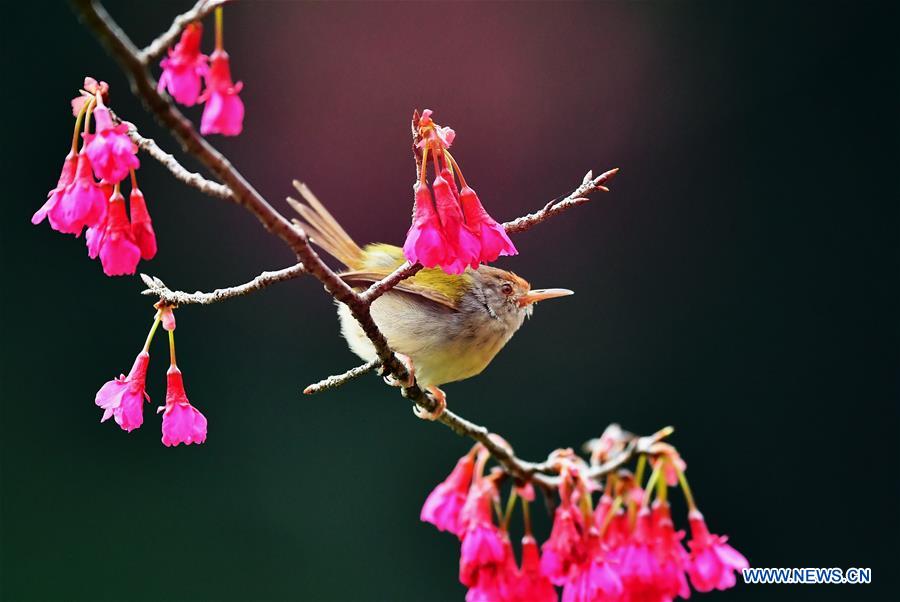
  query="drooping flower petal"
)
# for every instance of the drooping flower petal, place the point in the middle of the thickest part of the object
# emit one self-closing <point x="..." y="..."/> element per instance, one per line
<point x="494" y="240"/>
<point x="425" y="241"/>
<point x="224" y="110"/>
<point x="444" y="504"/>
<point x="185" y="66"/>
<point x="65" y="178"/>
<point x="119" y="255"/>
<point x="142" y="225"/>
<point x="182" y="422"/>
<point x="113" y="154"/>
<point x="123" y="397"/>
<point x="82" y="203"/>
<point x="461" y="241"/>
<point x="713" y="561"/>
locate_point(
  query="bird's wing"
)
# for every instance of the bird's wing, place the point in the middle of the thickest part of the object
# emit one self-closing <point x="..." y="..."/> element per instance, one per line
<point x="324" y="230"/>
<point x="408" y="286"/>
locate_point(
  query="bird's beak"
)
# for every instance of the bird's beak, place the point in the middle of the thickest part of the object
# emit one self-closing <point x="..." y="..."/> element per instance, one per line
<point x="543" y="293"/>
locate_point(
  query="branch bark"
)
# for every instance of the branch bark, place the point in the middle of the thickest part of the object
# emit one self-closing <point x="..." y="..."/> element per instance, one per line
<point x="155" y="286"/>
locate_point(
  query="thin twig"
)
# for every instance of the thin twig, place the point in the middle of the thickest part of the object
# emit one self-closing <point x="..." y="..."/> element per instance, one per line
<point x="168" y="161"/>
<point x="156" y="287"/>
<point x="158" y="46"/>
<point x="577" y="197"/>
<point x="339" y="379"/>
<point x="390" y="281"/>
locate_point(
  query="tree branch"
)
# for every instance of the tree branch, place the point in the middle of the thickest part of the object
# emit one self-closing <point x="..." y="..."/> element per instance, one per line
<point x="155" y="286"/>
<point x="158" y="46"/>
<point x="192" y="179"/>
<point x="589" y="184"/>
<point x="339" y="379"/>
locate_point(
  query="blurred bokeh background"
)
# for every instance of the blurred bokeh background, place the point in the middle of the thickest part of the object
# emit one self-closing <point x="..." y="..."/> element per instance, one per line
<point x="739" y="282"/>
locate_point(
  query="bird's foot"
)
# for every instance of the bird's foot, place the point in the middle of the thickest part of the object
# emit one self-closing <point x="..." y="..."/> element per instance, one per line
<point x="410" y="369"/>
<point x="440" y="397"/>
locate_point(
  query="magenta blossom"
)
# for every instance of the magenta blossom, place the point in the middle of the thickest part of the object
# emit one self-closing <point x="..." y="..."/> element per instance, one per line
<point x="443" y="505"/>
<point x="530" y="584"/>
<point x="113" y="242"/>
<point x="425" y="241"/>
<point x="182" y="422"/>
<point x="142" y="225"/>
<point x="494" y="240"/>
<point x="565" y="547"/>
<point x="53" y="197"/>
<point x="81" y="203"/>
<point x="111" y="151"/>
<point x="713" y="561"/>
<point x="123" y="397"/>
<point x="224" y="110"/>
<point x="464" y="243"/>
<point x="185" y="66"/>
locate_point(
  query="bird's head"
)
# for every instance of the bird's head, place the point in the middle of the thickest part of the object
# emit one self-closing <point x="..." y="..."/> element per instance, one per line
<point x="505" y="296"/>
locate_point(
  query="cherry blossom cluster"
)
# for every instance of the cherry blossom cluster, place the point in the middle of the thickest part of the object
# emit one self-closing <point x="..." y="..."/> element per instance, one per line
<point x="88" y="193"/>
<point x="450" y="227"/>
<point x="620" y="547"/>
<point x="123" y="398"/>
<point x="186" y="68"/>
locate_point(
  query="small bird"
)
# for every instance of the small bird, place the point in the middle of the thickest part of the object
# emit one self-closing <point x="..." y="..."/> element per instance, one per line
<point x="444" y="327"/>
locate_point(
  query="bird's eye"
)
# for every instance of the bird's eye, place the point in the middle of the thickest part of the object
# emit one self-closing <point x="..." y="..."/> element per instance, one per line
<point x="507" y="289"/>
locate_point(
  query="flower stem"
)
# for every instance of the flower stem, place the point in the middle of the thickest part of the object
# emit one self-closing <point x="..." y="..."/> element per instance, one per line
<point x="219" y="35"/>
<point x="617" y="503"/>
<point x="662" y="488"/>
<point x="510" y="505"/>
<point x="87" y="116"/>
<point x="151" y="334"/>
<point x="641" y="468"/>
<point x="688" y="495"/>
<point x="651" y="483"/>
<point x="423" y="173"/>
<point x="526" y="516"/>
<point x="133" y="180"/>
<point x="456" y="168"/>
<point x="172" y="347"/>
<point x="78" y="121"/>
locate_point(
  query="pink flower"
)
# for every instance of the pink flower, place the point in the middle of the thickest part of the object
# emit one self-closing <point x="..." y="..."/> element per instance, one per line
<point x="53" y="197"/>
<point x="713" y="561"/>
<point x="142" y="225"/>
<point x="113" y="242"/>
<point x="425" y="241"/>
<point x="91" y="88"/>
<point x="673" y="558"/>
<point x="111" y="151"/>
<point x="444" y="503"/>
<point x="184" y="66"/>
<point x="565" y="547"/>
<point x="461" y="241"/>
<point x="433" y="135"/>
<point x="123" y="397"/>
<point x="594" y="581"/>
<point x="224" y="110"/>
<point x="494" y="240"/>
<point x="81" y="203"/>
<point x="638" y="566"/>
<point x="531" y="585"/>
<point x="482" y="542"/>
<point x="182" y="422"/>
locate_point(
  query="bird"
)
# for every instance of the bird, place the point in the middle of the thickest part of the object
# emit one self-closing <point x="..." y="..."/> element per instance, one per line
<point x="444" y="327"/>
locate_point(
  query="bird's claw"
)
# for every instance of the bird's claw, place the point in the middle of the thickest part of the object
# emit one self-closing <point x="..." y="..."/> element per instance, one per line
<point x="393" y="381"/>
<point x="440" y="397"/>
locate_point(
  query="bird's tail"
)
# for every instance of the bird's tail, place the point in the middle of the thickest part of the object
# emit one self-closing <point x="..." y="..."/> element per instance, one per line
<point x="324" y="230"/>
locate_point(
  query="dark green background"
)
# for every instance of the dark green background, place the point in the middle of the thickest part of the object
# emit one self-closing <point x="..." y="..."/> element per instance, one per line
<point x="739" y="283"/>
